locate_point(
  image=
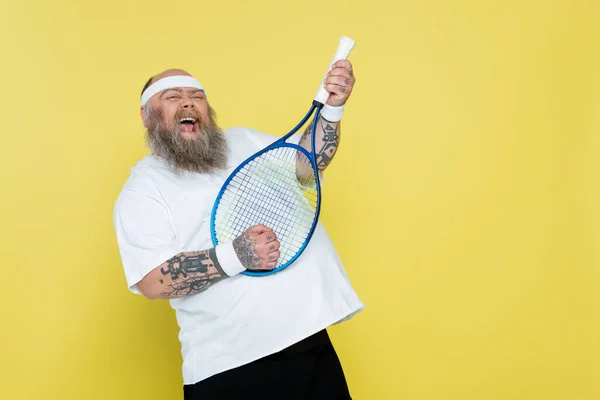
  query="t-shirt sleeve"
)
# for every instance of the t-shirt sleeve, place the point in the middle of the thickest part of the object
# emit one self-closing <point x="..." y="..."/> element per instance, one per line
<point x="144" y="234"/>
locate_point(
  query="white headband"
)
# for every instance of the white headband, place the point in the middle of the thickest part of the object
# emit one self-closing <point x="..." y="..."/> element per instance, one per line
<point x="170" y="82"/>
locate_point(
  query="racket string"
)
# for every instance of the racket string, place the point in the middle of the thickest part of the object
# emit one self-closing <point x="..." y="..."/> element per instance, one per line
<point x="269" y="191"/>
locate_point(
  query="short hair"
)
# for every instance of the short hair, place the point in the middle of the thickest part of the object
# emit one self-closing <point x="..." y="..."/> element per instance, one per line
<point x="146" y="85"/>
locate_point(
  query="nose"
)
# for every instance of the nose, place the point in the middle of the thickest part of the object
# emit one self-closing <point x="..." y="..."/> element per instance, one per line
<point x="187" y="103"/>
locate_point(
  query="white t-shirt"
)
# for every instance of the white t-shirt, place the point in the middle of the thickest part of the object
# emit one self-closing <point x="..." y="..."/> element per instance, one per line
<point x="159" y="214"/>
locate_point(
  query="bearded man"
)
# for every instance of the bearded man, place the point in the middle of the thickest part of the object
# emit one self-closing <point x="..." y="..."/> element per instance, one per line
<point x="241" y="336"/>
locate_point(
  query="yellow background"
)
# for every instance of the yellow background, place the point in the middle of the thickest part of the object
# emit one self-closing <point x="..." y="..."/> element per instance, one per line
<point x="463" y="201"/>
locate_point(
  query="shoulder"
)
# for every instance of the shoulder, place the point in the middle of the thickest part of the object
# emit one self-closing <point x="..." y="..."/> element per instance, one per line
<point x="143" y="181"/>
<point x="243" y="138"/>
<point x="143" y="174"/>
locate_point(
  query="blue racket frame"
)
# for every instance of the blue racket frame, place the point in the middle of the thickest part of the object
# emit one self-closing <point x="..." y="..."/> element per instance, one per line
<point x="316" y="108"/>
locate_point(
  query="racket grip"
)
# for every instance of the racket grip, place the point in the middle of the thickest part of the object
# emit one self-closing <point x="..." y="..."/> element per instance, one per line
<point x="344" y="48"/>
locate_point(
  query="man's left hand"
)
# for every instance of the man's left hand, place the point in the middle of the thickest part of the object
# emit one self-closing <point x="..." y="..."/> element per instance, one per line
<point x="339" y="83"/>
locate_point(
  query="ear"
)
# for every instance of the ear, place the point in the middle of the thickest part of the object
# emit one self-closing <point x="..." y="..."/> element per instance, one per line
<point x="142" y="115"/>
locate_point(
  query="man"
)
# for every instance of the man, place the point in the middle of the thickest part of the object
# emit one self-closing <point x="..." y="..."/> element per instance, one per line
<point x="241" y="336"/>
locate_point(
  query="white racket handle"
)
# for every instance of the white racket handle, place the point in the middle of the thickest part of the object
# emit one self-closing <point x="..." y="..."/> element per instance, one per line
<point x="343" y="51"/>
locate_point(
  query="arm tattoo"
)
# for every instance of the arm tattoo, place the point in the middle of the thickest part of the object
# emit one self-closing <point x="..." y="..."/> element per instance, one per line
<point x="246" y="251"/>
<point x="330" y="142"/>
<point x="191" y="273"/>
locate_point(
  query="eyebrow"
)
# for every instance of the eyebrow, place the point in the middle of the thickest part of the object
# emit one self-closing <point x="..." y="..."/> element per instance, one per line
<point x="179" y="90"/>
<point x="168" y="90"/>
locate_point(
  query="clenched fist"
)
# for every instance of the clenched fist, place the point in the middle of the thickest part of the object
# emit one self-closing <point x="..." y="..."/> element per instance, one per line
<point x="257" y="248"/>
<point x="339" y="82"/>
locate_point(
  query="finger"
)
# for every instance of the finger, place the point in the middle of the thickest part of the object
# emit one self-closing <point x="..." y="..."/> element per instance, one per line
<point x="346" y="64"/>
<point x="272" y="246"/>
<point x="264" y="248"/>
<point x="269" y="236"/>
<point x="340" y="72"/>
<point x="344" y="81"/>
<point x="341" y="91"/>
<point x="273" y="256"/>
<point x="271" y="265"/>
<point x="340" y="79"/>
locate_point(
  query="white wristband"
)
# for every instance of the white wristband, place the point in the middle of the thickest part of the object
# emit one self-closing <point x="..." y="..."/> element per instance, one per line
<point x="332" y="114"/>
<point x="228" y="259"/>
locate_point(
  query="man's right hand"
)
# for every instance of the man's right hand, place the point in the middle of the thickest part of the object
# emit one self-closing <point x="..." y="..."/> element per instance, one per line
<point x="257" y="248"/>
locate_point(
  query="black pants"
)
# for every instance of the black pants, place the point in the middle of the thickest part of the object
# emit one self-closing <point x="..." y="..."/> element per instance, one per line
<point x="310" y="369"/>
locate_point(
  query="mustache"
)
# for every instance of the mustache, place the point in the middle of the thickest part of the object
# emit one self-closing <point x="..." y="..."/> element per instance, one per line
<point x="189" y="113"/>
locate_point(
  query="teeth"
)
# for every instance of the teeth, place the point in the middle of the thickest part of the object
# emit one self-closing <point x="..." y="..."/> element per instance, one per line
<point x="187" y="119"/>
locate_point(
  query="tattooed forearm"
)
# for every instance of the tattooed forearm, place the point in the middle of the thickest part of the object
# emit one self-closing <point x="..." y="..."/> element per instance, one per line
<point x="327" y="141"/>
<point x="246" y="251"/>
<point x="190" y="273"/>
<point x="330" y="143"/>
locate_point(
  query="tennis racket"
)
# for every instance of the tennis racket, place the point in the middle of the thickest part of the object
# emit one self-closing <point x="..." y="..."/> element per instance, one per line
<point x="278" y="187"/>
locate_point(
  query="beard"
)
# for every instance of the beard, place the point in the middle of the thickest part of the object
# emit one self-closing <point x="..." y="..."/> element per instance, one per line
<point x="203" y="153"/>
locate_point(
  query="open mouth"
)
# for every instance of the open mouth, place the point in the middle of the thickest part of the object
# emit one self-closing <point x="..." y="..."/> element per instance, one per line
<point x="188" y="125"/>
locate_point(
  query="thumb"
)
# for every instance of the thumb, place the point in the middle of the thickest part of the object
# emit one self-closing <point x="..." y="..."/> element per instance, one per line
<point x="258" y="229"/>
